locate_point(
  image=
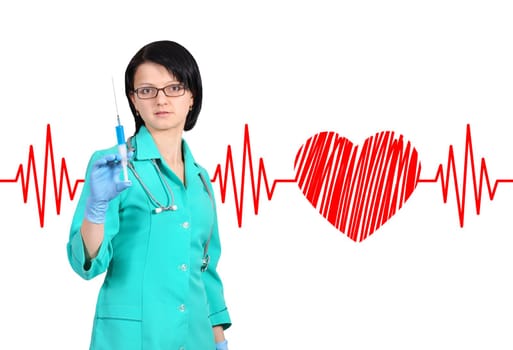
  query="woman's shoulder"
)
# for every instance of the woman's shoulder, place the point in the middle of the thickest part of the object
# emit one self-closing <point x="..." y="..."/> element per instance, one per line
<point x="189" y="157"/>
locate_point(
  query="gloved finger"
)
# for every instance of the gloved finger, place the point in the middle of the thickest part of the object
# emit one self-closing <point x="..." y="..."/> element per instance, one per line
<point x="106" y="160"/>
<point x="116" y="170"/>
<point x="123" y="185"/>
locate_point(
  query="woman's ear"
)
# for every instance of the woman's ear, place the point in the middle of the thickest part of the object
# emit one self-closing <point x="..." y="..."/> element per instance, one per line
<point x="132" y="98"/>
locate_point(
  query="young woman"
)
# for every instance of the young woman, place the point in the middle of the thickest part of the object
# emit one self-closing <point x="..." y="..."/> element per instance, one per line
<point x="156" y="235"/>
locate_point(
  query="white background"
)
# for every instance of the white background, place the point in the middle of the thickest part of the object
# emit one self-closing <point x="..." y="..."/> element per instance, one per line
<point x="288" y="70"/>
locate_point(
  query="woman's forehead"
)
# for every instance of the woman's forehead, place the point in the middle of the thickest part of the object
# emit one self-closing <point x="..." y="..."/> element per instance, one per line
<point x="150" y="72"/>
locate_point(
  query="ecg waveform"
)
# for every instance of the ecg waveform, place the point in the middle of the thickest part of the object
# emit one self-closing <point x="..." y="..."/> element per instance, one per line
<point x="474" y="173"/>
<point x="479" y="178"/>
<point x="256" y="177"/>
<point x="25" y="175"/>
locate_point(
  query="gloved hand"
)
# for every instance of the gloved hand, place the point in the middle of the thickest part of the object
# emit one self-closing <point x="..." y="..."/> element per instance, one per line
<point x="104" y="184"/>
<point x="223" y="345"/>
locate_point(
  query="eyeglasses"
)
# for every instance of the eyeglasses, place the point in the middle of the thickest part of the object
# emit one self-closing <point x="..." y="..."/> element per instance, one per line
<point x="147" y="92"/>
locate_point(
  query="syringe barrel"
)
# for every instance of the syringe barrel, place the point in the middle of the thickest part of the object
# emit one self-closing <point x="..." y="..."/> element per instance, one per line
<point x="120" y="134"/>
<point x="124" y="160"/>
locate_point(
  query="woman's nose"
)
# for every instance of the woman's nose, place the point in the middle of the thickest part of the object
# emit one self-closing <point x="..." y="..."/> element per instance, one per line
<point x="161" y="97"/>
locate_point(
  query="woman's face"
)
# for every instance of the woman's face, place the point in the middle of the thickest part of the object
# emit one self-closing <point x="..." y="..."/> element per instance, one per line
<point x="161" y="112"/>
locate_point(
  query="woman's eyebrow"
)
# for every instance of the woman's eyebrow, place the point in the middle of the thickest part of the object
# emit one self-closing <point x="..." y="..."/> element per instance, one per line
<point x="152" y="84"/>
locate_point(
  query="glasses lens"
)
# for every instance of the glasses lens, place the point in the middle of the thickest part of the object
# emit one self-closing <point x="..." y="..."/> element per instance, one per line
<point x="146" y="92"/>
<point x="174" y="90"/>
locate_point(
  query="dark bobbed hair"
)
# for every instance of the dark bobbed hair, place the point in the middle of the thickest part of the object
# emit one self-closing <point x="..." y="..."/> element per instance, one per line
<point x="179" y="62"/>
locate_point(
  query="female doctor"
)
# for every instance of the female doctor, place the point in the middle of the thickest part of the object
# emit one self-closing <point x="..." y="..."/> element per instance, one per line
<point x="155" y="235"/>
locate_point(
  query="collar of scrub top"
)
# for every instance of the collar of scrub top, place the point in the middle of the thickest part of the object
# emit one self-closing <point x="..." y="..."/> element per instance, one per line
<point x="144" y="148"/>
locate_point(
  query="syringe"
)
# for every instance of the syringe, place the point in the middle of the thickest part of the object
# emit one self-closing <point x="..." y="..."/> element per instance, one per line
<point x="120" y="134"/>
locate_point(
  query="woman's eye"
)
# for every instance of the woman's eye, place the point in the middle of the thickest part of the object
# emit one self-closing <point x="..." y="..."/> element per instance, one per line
<point x="145" y="91"/>
<point x="174" y="90"/>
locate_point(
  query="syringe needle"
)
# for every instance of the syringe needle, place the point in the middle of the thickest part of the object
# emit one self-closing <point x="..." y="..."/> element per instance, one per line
<point x="115" y="100"/>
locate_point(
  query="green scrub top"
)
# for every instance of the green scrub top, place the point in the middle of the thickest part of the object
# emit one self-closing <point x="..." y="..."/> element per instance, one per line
<point x="154" y="295"/>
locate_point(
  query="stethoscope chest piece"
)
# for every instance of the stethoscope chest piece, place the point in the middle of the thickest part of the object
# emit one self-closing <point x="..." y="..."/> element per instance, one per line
<point x="159" y="210"/>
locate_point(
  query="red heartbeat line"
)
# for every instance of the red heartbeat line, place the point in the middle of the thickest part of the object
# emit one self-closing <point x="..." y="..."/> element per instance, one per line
<point x="477" y="180"/>
<point x="256" y="178"/>
<point x="31" y="168"/>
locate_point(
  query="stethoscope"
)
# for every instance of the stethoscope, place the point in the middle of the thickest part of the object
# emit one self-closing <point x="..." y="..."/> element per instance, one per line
<point x="160" y="208"/>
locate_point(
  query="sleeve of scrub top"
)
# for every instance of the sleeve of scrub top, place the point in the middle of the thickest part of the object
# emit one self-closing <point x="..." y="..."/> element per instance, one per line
<point x="219" y="315"/>
<point x="84" y="267"/>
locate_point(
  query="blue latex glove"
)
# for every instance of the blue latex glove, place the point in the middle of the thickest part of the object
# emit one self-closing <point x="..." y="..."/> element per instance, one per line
<point x="104" y="184"/>
<point x="223" y="345"/>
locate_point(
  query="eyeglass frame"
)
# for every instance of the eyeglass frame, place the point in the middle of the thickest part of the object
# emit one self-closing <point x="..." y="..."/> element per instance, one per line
<point x="182" y="85"/>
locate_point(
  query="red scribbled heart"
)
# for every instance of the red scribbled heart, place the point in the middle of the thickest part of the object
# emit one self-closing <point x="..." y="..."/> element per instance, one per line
<point x="357" y="190"/>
